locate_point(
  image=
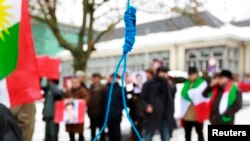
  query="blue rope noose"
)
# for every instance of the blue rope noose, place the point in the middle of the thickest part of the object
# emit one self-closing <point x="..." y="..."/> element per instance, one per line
<point x="130" y="33"/>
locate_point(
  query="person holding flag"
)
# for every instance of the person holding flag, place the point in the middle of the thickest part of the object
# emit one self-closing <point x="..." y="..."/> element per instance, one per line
<point x="19" y="74"/>
<point x="52" y="94"/>
<point x="193" y="104"/>
<point x="225" y="99"/>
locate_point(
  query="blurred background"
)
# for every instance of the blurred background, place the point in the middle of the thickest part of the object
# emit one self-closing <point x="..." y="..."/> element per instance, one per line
<point x="202" y="33"/>
<point x="88" y="35"/>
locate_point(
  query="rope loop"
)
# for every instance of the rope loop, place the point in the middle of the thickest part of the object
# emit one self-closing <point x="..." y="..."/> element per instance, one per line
<point x="130" y="29"/>
<point x="130" y="33"/>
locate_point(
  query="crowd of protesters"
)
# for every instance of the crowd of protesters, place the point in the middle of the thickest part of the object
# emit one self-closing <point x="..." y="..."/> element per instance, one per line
<point x="150" y="98"/>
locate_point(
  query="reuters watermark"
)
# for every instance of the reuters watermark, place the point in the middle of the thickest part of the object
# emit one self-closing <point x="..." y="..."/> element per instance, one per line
<point x="241" y="132"/>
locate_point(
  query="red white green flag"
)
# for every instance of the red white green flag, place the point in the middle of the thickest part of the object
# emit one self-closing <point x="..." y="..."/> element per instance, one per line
<point x="192" y="94"/>
<point x="228" y="98"/>
<point x="19" y="77"/>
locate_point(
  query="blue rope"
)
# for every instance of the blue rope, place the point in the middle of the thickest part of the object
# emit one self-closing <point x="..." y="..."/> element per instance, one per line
<point x="130" y="33"/>
<point x="125" y="103"/>
<point x="109" y="100"/>
<point x="128" y="3"/>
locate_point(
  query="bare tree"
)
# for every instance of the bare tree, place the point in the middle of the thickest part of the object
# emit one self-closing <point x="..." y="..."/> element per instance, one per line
<point x="190" y="8"/>
<point x="45" y="11"/>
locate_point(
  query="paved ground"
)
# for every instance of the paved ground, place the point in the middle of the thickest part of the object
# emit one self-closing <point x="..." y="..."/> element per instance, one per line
<point x="242" y="117"/>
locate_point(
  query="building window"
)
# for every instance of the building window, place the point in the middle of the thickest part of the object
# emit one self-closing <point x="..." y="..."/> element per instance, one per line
<point x="135" y="62"/>
<point x="66" y="68"/>
<point x="220" y="64"/>
<point x="159" y="55"/>
<point x="218" y="53"/>
<point x="233" y="56"/>
<point x="204" y="53"/>
<point x="226" y="58"/>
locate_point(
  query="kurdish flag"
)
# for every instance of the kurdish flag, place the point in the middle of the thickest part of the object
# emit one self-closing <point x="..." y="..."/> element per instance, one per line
<point x="10" y="12"/>
<point x="19" y="77"/>
<point x="193" y="94"/>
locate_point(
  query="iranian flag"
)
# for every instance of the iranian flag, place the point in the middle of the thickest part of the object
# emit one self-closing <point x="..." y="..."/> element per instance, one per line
<point x="192" y="94"/>
<point x="228" y="98"/>
<point x="19" y="78"/>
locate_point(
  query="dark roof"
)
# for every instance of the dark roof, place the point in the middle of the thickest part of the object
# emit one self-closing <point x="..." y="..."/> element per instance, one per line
<point x="69" y="28"/>
<point x="165" y="25"/>
<point x="242" y="23"/>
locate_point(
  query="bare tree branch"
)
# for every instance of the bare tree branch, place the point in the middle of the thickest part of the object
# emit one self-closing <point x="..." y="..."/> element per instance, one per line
<point x="84" y="21"/>
<point x="107" y="12"/>
<point x="96" y="6"/>
<point x="51" y="10"/>
<point x="91" y="30"/>
<point x="54" y="4"/>
<point x="38" y="18"/>
<point x="45" y="10"/>
<point x="52" y="22"/>
<point x="109" y="28"/>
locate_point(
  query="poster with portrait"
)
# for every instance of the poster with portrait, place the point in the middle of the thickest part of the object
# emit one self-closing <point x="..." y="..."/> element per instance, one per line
<point x="70" y="111"/>
<point x="139" y="78"/>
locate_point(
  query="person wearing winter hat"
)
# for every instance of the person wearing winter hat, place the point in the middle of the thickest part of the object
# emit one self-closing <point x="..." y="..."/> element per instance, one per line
<point x="225" y="98"/>
<point x="193" y="104"/>
<point x="157" y="102"/>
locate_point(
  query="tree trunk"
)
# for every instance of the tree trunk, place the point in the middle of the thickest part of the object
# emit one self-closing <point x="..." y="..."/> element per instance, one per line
<point x="80" y="59"/>
<point x="80" y="64"/>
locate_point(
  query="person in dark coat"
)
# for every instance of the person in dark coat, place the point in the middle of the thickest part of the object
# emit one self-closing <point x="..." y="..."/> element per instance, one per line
<point x="9" y="131"/>
<point x="156" y="99"/>
<point x="52" y="94"/>
<point x="116" y="107"/>
<point x="95" y="106"/>
<point x="171" y="97"/>
<point x="76" y="92"/>
<point x="220" y="86"/>
<point x="149" y="74"/>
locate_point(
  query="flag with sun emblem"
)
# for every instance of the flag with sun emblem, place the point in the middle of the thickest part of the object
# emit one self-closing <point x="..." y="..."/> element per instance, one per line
<point x="10" y="14"/>
<point x="19" y="76"/>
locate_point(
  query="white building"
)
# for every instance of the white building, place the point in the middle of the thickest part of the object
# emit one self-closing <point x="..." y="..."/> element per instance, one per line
<point x="179" y="43"/>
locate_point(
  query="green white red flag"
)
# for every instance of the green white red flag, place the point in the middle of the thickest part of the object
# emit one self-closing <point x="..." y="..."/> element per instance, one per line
<point x="193" y="94"/>
<point x="19" y="77"/>
<point x="228" y="98"/>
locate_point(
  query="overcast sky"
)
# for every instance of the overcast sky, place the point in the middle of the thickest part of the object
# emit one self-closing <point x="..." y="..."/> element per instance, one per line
<point x="227" y="10"/>
<point x="69" y="11"/>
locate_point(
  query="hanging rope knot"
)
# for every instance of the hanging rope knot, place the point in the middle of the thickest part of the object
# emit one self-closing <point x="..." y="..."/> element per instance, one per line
<point x="130" y="33"/>
<point x="130" y="29"/>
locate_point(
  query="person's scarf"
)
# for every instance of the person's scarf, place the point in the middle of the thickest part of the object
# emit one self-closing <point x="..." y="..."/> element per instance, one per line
<point x="193" y="94"/>
<point x="228" y="98"/>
